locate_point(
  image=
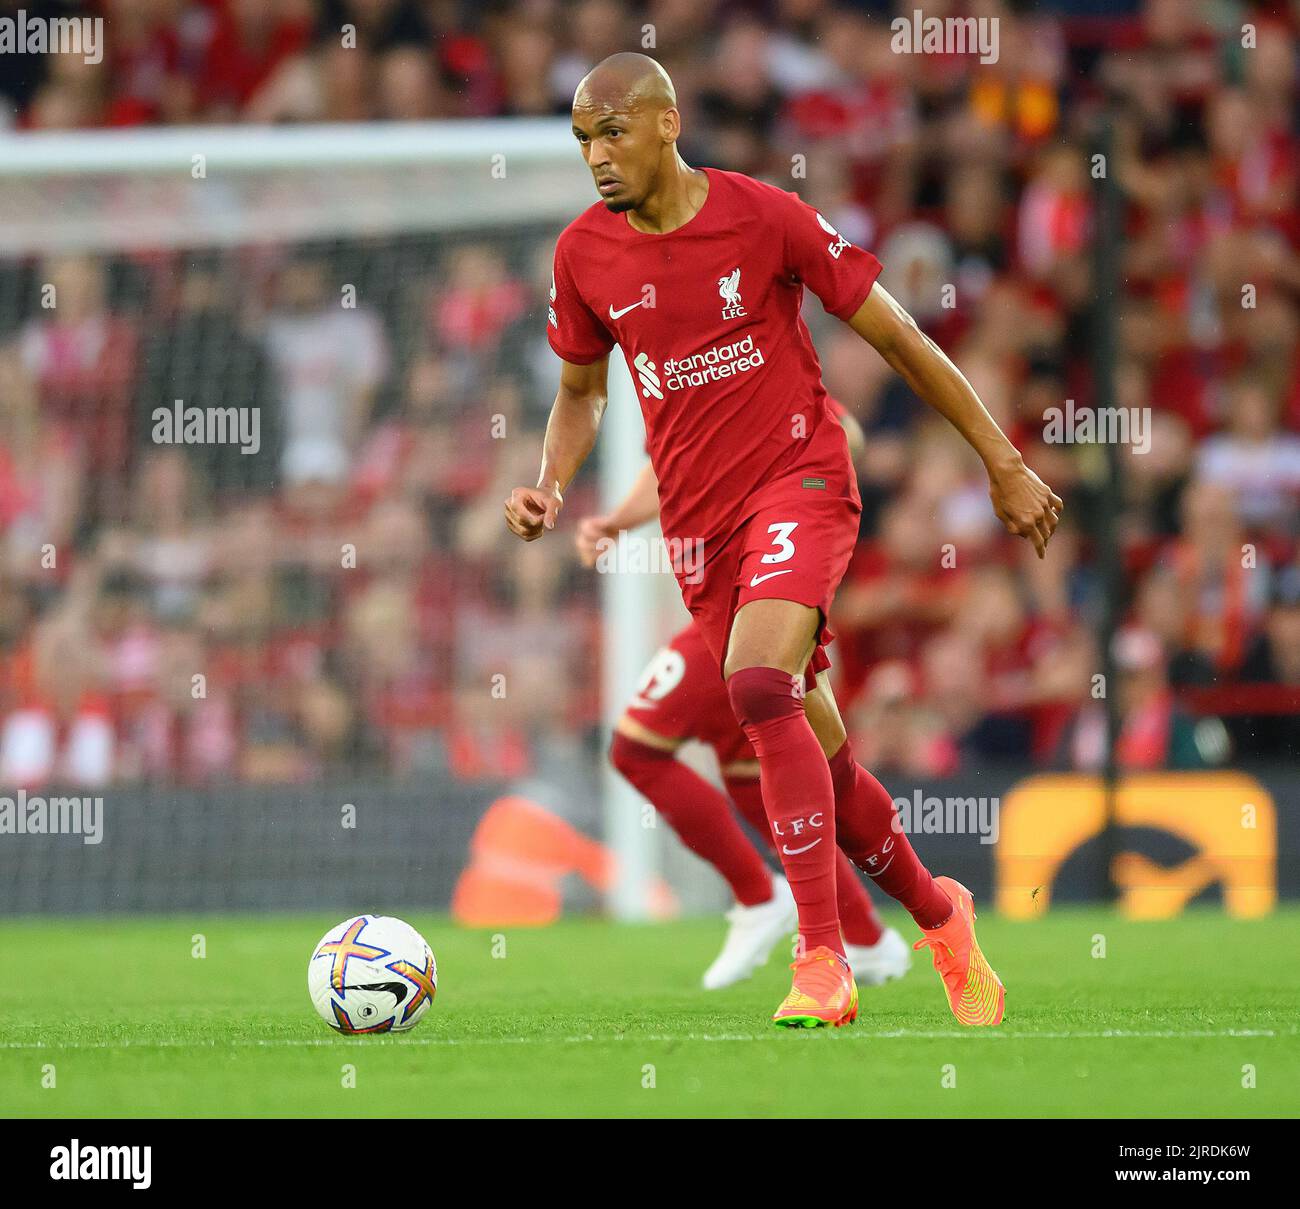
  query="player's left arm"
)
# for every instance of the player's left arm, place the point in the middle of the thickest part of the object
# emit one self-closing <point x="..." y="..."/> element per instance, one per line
<point x="1023" y="502"/>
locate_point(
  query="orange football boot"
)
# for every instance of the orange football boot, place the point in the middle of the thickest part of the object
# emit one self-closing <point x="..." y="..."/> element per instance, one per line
<point x="975" y="993"/>
<point x="823" y="992"/>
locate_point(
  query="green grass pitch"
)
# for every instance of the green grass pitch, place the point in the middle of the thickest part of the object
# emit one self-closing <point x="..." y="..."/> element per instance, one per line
<point x="594" y="1019"/>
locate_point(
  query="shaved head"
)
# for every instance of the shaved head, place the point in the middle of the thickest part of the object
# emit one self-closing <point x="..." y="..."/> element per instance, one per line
<point x="626" y="122"/>
<point x="625" y="83"/>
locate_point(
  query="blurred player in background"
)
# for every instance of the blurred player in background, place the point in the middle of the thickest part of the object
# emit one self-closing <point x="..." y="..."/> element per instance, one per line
<point x="681" y="696"/>
<point x="699" y="275"/>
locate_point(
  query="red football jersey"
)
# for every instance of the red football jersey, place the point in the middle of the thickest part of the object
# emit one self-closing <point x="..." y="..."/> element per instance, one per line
<point x="708" y="319"/>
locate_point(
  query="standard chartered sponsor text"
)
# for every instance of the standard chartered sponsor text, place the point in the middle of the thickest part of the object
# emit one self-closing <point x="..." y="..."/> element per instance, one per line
<point x="721" y="361"/>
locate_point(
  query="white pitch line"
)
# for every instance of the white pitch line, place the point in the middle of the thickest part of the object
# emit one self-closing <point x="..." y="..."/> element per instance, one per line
<point x="974" y="1034"/>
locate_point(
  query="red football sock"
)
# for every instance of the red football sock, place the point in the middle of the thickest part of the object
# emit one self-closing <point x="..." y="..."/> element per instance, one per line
<point x="798" y="795"/>
<point x="858" y="919"/>
<point x="867" y="823"/>
<point x="698" y="813"/>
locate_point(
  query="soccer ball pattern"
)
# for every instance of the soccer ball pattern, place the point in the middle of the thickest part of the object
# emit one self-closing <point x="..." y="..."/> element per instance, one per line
<point x="372" y="974"/>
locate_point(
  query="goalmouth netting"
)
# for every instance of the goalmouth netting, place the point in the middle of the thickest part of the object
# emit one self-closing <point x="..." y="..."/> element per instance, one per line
<point x="262" y="394"/>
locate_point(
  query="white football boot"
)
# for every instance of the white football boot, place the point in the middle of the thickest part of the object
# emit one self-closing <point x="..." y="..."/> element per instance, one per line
<point x="753" y="934"/>
<point x="874" y="965"/>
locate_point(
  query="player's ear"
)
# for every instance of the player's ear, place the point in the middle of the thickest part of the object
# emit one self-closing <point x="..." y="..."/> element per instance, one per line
<point x="670" y="124"/>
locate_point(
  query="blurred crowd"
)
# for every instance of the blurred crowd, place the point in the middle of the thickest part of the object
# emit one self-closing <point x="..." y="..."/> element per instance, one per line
<point x="346" y="598"/>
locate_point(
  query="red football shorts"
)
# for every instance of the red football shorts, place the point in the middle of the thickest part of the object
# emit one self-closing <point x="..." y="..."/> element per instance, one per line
<point x="798" y="549"/>
<point x="681" y="696"/>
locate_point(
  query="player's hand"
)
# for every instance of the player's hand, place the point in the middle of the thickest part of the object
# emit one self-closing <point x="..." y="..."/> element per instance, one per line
<point x="530" y="511"/>
<point x="592" y="530"/>
<point x="1026" y="505"/>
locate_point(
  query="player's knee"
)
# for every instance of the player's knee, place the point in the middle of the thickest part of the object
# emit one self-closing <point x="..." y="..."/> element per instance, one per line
<point x="764" y="694"/>
<point x="824" y="718"/>
<point x="633" y="759"/>
<point x="843" y="766"/>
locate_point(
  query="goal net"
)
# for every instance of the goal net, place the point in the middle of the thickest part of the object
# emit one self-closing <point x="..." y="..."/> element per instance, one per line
<point x="262" y="396"/>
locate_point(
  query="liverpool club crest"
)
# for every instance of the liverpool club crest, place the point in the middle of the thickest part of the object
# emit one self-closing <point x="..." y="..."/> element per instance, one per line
<point x="729" y="288"/>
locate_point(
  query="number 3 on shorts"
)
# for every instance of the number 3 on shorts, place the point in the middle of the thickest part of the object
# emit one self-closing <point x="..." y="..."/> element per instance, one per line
<point x="785" y="547"/>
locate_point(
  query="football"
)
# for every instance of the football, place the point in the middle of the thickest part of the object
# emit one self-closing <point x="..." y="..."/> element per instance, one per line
<point x="372" y="974"/>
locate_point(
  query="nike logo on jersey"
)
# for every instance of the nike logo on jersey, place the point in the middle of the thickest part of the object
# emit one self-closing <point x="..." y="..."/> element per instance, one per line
<point x="758" y="579"/>
<point x="613" y="314"/>
<point x="795" y="851"/>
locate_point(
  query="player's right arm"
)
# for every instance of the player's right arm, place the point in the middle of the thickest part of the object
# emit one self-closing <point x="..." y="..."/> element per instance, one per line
<point x="570" y="434"/>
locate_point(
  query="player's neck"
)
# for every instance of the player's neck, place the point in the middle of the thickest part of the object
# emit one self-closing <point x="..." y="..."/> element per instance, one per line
<point x="674" y="203"/>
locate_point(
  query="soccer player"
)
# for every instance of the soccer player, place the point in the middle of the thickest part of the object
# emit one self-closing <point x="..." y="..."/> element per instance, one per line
<point x="679" y="697"/>
<point x="699" y="275"/>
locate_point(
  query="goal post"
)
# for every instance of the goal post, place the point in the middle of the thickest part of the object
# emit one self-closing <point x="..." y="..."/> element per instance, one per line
<point x="181" y="186"/>
<point x="629" y="610"/>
